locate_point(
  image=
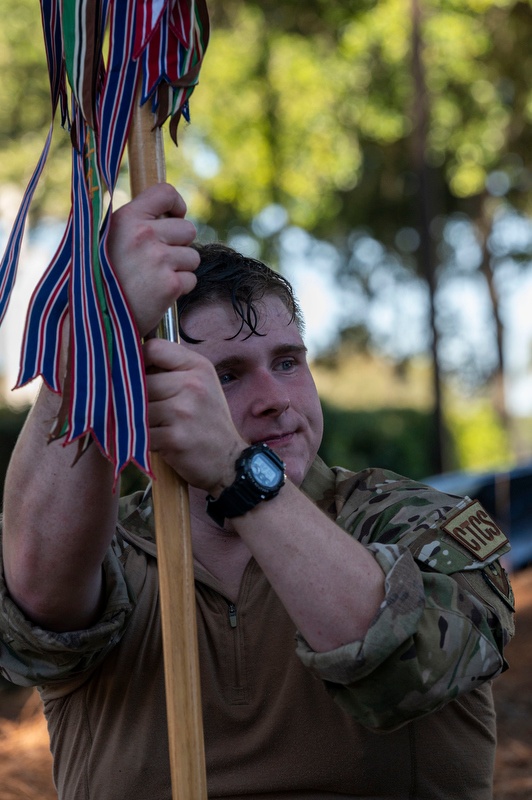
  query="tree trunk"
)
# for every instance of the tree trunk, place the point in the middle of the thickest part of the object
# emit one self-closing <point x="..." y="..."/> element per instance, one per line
<point x="427" y="267"/>
<point x="484" y="226"/>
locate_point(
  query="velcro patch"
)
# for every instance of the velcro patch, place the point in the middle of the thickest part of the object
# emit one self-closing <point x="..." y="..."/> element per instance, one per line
<point x="495" y="575"/>
<point x="473" y="528"/>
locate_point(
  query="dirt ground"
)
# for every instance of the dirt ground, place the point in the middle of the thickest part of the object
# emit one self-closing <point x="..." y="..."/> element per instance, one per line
<point x="513" y="699"/>
<point x="25" y="763"/>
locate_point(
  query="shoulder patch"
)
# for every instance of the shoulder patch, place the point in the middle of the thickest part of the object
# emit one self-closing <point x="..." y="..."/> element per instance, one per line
<point x="475" y="530"/>
<point x="496" y="577"/>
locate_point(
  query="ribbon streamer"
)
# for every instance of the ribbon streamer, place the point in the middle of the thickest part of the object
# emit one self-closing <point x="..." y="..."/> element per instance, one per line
<point x="163" y="41"/>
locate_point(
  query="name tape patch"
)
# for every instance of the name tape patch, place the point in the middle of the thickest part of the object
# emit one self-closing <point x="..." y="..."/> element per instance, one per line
<point x="473" y="527"/>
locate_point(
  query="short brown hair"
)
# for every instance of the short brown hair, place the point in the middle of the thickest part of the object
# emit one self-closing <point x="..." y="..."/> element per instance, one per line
<point x="226" y="275"/>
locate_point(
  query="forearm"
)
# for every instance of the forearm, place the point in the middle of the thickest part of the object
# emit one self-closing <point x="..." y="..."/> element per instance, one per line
<point x="430" y="642"/>
<point x="329" y="583"/>
<point x="58" y="522"/>
<point x="59" y="519"/>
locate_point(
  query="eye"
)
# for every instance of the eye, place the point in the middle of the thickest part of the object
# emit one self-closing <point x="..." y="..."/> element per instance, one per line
<point x="286" y="364"/>
<point x="226" y="378"/>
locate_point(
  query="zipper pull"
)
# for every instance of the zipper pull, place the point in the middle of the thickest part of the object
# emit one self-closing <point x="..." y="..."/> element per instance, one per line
<point x="232" y="615"/>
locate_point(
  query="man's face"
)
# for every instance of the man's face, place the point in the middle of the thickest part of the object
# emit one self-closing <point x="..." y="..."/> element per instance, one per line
<point x="266" y="379"/>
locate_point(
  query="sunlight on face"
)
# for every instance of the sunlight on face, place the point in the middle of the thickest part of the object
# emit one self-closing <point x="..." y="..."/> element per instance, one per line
<point x="266" y="379"/>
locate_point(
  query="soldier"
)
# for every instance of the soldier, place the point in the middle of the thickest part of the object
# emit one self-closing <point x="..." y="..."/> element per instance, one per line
<point x="349" y="624"/>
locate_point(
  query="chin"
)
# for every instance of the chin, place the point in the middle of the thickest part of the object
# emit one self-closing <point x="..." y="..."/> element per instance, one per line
<point x="298" y="461"/>
<point x="296" y="472"/>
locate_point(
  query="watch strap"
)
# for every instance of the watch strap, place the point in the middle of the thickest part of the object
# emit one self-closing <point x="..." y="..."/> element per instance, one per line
<point x="243" y="494"/>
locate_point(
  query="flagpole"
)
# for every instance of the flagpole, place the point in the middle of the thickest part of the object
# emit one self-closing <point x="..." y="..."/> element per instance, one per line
<point x="174" y="546"/>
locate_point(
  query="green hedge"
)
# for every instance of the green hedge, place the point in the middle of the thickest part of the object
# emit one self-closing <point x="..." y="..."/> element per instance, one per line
<point x="396" y="439"/>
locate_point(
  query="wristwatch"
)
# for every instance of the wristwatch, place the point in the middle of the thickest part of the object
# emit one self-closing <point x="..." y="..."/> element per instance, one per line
<point x="260" y="474"/>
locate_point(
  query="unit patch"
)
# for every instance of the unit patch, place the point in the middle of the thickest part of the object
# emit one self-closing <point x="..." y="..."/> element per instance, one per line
<point x="495" y="575"/>
<point x="473" y="527"/>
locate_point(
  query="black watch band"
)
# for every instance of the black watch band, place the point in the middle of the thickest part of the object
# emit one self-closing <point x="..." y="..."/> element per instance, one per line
<point x="260" y="474"/>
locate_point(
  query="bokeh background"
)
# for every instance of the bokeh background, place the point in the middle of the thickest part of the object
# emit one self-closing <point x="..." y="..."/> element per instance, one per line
<point x="379" y="154"/>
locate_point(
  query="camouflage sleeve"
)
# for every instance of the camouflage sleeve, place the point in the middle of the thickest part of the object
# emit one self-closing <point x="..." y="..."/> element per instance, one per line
<point x="32" y="656"/>
<point x="447" y="612"/>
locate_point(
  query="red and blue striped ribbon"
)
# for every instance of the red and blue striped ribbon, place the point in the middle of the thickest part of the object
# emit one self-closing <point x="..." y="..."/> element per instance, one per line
<point x="46" y="315"/>
<point x="106" y="396"/>
<point x="128" y="381"/>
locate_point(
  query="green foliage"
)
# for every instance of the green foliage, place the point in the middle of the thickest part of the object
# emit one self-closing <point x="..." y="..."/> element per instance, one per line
<point x="274" y="96"/>
<point x="293" y="97"/>
<point x="25" y="109"/>
<point x="11" y="423"/>
<point x="395" y="439"/>
<point x="309" y="105"/>
<point x="480" y="441"/>
<point x="266" y="112"/>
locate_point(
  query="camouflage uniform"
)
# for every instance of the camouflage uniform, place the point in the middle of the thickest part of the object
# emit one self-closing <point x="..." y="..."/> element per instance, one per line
<point x="434" y="645"/>
<point x="435" y="636"/>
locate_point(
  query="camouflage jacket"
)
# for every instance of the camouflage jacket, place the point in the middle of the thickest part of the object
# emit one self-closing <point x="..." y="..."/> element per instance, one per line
<point x="440" y="631"/>
<point x="448" y="609"/>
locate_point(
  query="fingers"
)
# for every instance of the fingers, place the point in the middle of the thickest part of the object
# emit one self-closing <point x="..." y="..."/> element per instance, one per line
<point x="174" y="231"/>
<point x="189" y="419"/>
<point x="158" y="215"/>
<point x="150" y="206"/>
<point x="149" y="248"/>
<point x="160" y="200"/>
<point x="180" y="383"/>
<point x="163" y="356"/>
<point x="166" y="243"/>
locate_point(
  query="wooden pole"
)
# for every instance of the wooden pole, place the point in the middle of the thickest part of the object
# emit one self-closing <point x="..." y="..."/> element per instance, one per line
<point x="174" y="546"/>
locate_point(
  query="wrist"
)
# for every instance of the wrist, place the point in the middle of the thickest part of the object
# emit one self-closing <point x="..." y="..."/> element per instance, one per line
<point x="259" y="475"/>
<point x="227" y="473"/>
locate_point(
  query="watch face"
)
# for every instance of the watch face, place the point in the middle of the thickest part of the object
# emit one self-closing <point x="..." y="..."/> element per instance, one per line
<point x="265" y="473"/>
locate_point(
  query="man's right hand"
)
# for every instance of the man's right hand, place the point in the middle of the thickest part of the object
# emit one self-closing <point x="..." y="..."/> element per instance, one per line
<point x="149" y="248"/>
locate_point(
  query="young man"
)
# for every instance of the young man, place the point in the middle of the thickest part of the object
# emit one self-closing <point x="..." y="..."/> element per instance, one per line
<point x="348" y="624"/>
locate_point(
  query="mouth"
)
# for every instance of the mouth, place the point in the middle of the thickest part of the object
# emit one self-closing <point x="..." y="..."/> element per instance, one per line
<point x="277" y="440"/>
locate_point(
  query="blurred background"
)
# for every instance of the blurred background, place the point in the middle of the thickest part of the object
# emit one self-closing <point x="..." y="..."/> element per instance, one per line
<point x="379" y="154"/>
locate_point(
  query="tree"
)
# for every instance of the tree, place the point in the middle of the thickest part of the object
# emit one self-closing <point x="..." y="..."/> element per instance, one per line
<point x="25" y="109"/>
<point x="304" y="118"/>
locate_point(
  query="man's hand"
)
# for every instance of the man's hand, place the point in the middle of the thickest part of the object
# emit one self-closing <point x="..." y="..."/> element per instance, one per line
<point x="149" y="248"/>
<point x="190" y="422"/>
<point x="59" y="520"/>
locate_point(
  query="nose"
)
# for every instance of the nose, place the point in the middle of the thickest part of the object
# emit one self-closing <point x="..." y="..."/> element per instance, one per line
<point x="270" y="397"/>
